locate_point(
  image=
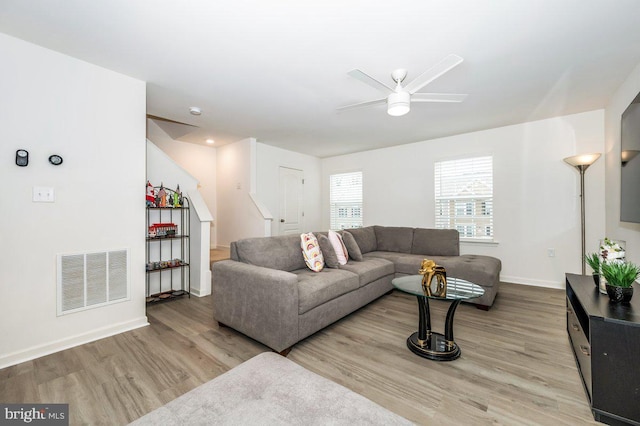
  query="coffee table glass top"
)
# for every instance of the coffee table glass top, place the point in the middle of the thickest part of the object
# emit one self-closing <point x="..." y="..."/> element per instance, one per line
<point x="457" y="288"/>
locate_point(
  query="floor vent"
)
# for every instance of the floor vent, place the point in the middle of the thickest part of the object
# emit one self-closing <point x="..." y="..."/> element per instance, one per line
<point x="91" y="280"/>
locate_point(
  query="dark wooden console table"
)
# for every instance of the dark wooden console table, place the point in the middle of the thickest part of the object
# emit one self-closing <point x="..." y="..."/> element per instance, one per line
<point x="605" y="338"/>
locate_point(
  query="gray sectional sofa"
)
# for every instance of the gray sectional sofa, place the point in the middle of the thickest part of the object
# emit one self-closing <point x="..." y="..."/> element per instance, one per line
<point x="266" y="291"/>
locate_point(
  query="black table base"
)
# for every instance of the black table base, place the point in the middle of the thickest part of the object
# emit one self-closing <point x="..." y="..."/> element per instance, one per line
<point x="434" y="346"/>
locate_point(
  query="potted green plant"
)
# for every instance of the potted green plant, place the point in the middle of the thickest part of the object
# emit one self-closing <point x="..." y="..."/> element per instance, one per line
<point x="620" y="277"/>
<point x="594" y="261"/>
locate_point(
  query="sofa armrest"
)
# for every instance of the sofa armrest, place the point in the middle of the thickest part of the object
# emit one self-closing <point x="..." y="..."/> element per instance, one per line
<point x="259" y="302"/>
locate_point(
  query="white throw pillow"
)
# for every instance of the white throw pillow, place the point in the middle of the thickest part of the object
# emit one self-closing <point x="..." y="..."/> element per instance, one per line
<point x="311" y="252"/>
<point x="339" y="247"/>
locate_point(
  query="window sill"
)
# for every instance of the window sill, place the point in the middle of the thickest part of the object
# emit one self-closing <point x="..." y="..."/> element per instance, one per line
<point x="480" y="242"/>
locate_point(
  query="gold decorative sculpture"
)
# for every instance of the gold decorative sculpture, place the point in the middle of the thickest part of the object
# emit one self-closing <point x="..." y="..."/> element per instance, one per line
<point x="429" y="270"/>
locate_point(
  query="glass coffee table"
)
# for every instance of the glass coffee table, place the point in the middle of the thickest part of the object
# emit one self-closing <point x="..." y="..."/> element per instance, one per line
<point x="424" y="342"/>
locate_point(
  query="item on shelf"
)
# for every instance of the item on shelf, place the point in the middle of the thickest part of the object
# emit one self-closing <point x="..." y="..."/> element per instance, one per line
<point x="163" y="230"/>
<point x="161" y="198"/>
<point x="175" y="262"/>
<point x="151" y="195"/>
<point x="177" y="198"/>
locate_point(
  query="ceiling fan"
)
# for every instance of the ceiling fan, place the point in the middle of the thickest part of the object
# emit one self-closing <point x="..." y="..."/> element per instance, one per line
<point x="399" y="99"/>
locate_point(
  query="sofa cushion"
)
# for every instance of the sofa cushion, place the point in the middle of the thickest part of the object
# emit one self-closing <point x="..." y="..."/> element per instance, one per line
<point x="328" y="253"/>
<point x="338" y="246"/>
<point x="404" y="263"/>
<point x="352" y="246"/>
<point x="311" y="251"/>
<point x="481" y="270"/>
<point x="370" y="269"/>
<point x="280" y="252"/>
<point x="436" y="242"/>
<point x="314" y="289"/>
<point x="393" y="238"/>
<point x="366" y="238"/>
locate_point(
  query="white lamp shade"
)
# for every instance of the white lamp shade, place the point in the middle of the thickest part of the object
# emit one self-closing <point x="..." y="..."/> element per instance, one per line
<point x="582" y="160"/>
<point x="628" y="155"/>
<point x="398" y="104"/>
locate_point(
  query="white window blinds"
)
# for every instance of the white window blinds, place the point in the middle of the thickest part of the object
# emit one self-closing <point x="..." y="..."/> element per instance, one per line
<point x="464" y="196"/>
<point x="345" y="200"/>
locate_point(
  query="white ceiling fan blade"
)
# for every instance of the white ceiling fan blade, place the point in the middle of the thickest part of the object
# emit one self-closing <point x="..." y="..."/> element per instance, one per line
<point x="438" y="97"/>
<point x="367" y="79"/>
<point x="432" y="73"/>
<point x="363" y="104"/>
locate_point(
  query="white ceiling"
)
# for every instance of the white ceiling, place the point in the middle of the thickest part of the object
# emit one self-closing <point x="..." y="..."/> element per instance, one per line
<point x="277" y="70"/>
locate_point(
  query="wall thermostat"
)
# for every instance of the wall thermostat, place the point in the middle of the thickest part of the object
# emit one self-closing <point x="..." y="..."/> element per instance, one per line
<point x="22" y="157"/>
<point x="55" y="159"/>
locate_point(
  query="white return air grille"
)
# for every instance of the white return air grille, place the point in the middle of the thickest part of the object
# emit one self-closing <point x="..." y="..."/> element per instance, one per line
<point x="91" y="280"/>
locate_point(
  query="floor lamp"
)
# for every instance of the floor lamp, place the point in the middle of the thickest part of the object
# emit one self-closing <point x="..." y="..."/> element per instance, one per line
<point x="582" y="163"/>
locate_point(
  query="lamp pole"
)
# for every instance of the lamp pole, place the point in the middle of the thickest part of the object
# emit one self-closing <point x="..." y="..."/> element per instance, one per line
<point x="582" y="169"/>
<point x="582" y="163"/>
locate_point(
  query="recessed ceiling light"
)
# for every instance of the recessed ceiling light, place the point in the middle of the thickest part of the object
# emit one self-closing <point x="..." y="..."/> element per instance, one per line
<point x="195" y="111"/>
<point x="210" y="141"/>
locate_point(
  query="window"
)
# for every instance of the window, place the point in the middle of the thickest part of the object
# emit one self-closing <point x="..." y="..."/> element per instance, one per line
<point x="464" y="196"/>
<point x="345" y="200"/>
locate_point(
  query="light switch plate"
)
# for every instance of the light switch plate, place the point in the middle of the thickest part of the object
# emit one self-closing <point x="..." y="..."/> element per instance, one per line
<point x="43" y="194"/>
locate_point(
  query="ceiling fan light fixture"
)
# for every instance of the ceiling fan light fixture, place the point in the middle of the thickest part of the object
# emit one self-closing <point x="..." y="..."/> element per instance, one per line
<point x="398" y="104"/>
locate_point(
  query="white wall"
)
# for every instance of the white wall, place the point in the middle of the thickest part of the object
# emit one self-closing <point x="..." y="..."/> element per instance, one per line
<point x="629" y="232"/>
<point x="198" y="160"/>
<point x="95" y="119"/>
<point x="237" y="215"/>
<point x="536" y="194"/>
<point x="269" y="161"/>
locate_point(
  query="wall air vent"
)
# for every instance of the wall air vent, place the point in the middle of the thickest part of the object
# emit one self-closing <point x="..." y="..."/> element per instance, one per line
<point x="91" y="280"/>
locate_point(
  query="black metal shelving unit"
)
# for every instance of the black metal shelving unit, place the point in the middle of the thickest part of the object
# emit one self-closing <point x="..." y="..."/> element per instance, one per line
<point x="167" y="252"/>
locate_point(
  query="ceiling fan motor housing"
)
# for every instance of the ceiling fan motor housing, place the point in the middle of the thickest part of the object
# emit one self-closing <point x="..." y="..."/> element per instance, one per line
<point x="398" y="103"/>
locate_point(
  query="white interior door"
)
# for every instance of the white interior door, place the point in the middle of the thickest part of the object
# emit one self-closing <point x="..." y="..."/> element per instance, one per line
<point x="291" y="218"/>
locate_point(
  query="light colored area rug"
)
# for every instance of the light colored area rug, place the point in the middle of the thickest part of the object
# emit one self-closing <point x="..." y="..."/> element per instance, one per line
<point x="269" y="389"/>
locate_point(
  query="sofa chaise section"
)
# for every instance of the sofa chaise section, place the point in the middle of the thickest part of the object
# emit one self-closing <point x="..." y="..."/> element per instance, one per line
<point x="407" y="247"/>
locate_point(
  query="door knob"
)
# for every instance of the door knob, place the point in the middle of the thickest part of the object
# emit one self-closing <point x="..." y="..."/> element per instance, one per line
<point x="282" y="220"/>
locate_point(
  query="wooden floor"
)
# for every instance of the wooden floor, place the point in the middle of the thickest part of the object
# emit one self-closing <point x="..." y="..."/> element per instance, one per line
<point x="218" y="254"/>
<point x="516" y="366"/>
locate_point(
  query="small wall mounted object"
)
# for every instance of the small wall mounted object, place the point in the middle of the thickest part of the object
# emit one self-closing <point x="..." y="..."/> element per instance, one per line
<point x="55" y="159"/>
<point x="22" y="157"/>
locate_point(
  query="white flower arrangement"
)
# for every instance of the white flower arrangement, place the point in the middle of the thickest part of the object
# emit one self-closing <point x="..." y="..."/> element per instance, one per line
<point x="611" y="251"/>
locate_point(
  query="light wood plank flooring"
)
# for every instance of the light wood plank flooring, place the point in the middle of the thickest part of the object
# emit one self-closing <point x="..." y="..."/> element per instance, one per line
<point x="218" y="254"/>
<point x="516" y="366"/>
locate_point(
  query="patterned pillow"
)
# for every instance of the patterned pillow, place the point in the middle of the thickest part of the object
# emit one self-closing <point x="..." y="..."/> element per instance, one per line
<point x="311" y="252"/>
<point x="339" y="247"/>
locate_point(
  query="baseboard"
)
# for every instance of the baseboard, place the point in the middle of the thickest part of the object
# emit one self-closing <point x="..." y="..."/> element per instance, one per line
<point x="532" y="282"/>
<point x="69" y="342"/>
<point x="198" y="293"/>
